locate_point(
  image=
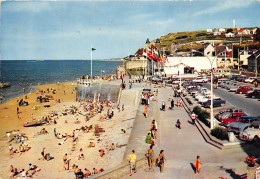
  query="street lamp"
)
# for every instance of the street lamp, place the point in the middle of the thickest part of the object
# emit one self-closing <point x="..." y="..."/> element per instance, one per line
<point x="256" y="71"/>
<point x="180" y="59"/>
<point x="211" y="91"/>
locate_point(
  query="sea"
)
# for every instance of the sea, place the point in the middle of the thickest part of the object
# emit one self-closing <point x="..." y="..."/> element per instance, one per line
<point x="24" y="75"/>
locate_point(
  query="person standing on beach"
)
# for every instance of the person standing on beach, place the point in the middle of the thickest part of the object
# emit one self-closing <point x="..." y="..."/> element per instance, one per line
<point x="197" y="165"/>
<point x="132" y="161"/>
<point x="42" y="153"/>
<point x="11" y="149"/>
<point x="17" y="109"/>
<point x="55" y="134"/>
<point x="65" y="158"/>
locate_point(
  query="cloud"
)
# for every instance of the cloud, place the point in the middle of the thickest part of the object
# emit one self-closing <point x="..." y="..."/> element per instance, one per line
<point x="27" y="6"/>
<point x="224" y="5"/>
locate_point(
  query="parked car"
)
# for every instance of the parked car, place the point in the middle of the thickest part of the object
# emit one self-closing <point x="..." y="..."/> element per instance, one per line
<point x="216" y="103"/>
<point x="250" y="134"/>
<point x="242" y="78"/>
<point x="236" y="126"/>
<point x="244" y="89"/>
<point x="224" y="114"/>
<point x="233" y="117"/>
<point x="250" y="80"/>
<point x="234" y="77"/>
<point x="200" y="80"/>
<point x="254" y="94"/>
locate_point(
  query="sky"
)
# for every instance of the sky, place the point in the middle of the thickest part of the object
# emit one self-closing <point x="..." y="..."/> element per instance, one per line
<point x="60" y="30"/>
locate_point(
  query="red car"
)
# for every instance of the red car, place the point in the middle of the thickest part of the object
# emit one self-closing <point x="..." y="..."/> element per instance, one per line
<point x="233" y="117"/>
<point x="244" y="89"/>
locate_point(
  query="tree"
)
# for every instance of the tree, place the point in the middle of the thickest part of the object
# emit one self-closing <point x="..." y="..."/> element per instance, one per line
<point x="229" y="30"/>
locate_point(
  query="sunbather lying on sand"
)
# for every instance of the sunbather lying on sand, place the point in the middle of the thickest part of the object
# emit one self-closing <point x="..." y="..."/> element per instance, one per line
<point x="112" y="147"/>
<point x="101" y="152"/>
<point x="122" y="131"/>
<point x="91" y="144"/>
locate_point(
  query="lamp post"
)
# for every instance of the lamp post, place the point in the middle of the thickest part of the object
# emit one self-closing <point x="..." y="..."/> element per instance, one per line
<point x="211" y="91"/>
<point x="256" y="71"/>
<point x="180" y="59"/>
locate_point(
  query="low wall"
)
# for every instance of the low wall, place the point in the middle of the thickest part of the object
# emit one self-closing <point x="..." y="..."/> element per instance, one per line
<point x="121" y="170"/>
<point x="135" y="64"/>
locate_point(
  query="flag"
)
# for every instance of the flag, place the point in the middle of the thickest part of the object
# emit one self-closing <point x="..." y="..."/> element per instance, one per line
<point x="165" y="58"/>
<point x="228" y="50"/>
<point x="93" y="49"/>
<point x="144" y="53"/>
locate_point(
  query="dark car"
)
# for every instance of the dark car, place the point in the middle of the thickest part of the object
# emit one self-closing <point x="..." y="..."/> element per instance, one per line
<point x="242" y="78"/>
<point x="234" y="77"/>
<point x="254" y="94"/>
<point x="216" y="103"/>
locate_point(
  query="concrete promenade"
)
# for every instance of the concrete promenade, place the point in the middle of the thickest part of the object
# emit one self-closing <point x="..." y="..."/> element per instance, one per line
<point x="181" y="146"/>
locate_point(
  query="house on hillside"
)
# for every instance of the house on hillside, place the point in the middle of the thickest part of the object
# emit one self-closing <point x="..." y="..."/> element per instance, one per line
<point x="209" y="51"/>
<point x="246" y="32"/>
<point x="221" y="30"/>
<point x="254" y="62"/>
<point x="216" y="33"/>
<point x="240" y="32"/>
<point x="230" y="34"/>
<point x="209" y="30"/>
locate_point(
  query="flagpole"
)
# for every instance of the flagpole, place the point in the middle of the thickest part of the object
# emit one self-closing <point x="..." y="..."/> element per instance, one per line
<point x="91" y="61"/>
<point x="225" y="57"/>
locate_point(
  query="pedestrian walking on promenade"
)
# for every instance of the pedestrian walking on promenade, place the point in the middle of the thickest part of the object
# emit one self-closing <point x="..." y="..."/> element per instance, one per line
<point x="193" y="116"/>
<point x="145" y="110"/>
<point x="172" y="103"/>
<point x="178" y="102"/>
<point x="154" y="129"/>
<point x="197" y="165"/>
<point x="148" y="139"/>
<point x="163" y="106"/>
<point x="150" y="156"/>
<point x="160" y="160"/>
<point x="132" y="161"/>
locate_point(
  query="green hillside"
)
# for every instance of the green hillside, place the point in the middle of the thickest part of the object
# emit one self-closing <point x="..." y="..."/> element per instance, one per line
<point x="185" y="37"/>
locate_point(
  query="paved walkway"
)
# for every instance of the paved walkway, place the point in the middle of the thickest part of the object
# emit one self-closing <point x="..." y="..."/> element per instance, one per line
<point x="181" y="146"/>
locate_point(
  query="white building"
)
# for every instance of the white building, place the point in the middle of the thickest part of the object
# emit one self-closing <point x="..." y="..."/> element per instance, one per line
<point x="221" y="30"/>
<point x="209" y="50"/>
<point x="230" y="34"/>
<point x="209" y="30"/>
<point x="177" y="65"/>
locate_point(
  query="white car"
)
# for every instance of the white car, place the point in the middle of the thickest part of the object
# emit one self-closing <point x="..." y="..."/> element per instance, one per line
<point x="200" y="80"/>
<point x="205" y="99"/>
<point x="250" y="134"/>
<point x="250" y="80"/>
<point x="199" y="96"/>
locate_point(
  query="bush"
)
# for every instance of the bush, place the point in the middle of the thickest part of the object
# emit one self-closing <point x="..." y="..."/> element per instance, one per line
<point x="220" y="133"/>
<point x="202" y="114"/>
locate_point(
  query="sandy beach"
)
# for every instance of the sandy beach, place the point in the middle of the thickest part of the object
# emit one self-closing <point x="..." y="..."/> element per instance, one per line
<point x="66" y="122"/>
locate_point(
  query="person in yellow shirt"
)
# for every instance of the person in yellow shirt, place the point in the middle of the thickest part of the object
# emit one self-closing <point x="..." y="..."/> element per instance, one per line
<point x="132" y="161"/>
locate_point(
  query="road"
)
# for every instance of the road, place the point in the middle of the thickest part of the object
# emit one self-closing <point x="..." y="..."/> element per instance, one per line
<point x="249" y="105"/>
